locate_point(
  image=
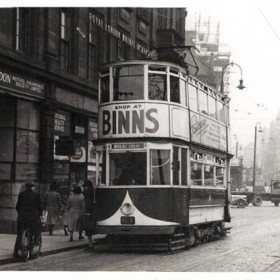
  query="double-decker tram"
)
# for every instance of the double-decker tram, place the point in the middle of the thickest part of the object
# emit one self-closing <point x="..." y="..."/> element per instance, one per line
<point x="162" y="157"/>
